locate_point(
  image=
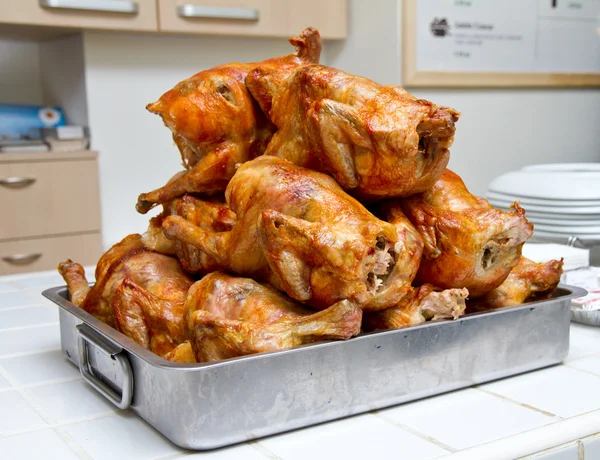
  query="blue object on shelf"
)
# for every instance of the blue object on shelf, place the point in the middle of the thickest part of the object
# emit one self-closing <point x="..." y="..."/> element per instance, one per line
<point x="20" y="121"/>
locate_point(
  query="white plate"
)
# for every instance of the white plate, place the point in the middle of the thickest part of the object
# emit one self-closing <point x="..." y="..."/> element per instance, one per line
<point x="549" y="185"/>
<point x="561" y="221"/>
<point x="541" y="201"/>
<point x="587" y="210"/>
<point x="570" y="230"/>
<point x="589" y="238"/>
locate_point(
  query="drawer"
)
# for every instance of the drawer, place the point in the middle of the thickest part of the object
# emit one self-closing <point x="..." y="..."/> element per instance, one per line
<point x="82" y="14"/>
<point x="253" y="17"/>
<point x="48" y="198"/>
<point x="45" y="253"/>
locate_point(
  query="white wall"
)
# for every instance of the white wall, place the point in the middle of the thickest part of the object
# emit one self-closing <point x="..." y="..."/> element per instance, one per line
<point x="20" y="72"/>
<point x="500" y="129"/>
<point x="123" y="74"/>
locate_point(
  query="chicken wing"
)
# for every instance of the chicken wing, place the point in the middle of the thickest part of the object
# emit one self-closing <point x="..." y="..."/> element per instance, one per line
<point x="376" y="141"/>
<point x="139" y="292"/>
<point x="211" y="215"/>
<point x="232" y="316"/>
<point x="422" y="304"/>
<point x="468" y="243"/>
<point x="297" y="229"/>
<point x="216" y="124"/>
<point x="527" y="281"/>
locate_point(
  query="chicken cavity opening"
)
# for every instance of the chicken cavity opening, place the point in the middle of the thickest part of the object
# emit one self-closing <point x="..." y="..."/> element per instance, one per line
<point x="385" y="258"/>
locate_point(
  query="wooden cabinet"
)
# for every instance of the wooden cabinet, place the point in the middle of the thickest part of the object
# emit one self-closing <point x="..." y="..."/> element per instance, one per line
<point x="50" y="208"/>
<point x="135" y="15"/>
<point x="253" y="17"/>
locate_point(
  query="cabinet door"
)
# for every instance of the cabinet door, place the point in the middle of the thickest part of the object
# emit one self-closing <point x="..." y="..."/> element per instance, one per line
<point x="278" y="18"/>
<point x="82" y="14"/>
<point x="48" y="198"/>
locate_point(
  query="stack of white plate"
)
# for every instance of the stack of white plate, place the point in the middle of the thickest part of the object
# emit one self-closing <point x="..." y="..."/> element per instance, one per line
<point x="561" y="200"/>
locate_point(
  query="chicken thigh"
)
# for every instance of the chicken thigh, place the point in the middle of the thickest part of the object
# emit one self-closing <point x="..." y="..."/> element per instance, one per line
<point x="376" y="141"/>
<point x="232" y="316"/>
<point x="527" y="281"/>
<point x="297" y="229"/>
<point x="139" y="292"/>
<point x="216" y="124"/>
<point x="211" y="215"/>
<point x="468" y="243"/>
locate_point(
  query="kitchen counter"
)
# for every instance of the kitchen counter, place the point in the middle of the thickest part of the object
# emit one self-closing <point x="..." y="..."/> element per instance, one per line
<point x="48" y="411"/>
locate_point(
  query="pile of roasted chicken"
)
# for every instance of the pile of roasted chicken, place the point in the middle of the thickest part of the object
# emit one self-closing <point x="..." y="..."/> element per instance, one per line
<point x="313" y="205"/>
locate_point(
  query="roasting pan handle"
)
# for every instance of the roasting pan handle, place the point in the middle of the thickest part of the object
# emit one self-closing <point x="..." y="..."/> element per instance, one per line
<point x="88" y="336"/>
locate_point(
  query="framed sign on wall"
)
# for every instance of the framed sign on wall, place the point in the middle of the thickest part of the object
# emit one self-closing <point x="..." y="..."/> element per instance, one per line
<point x="501" y="43"/>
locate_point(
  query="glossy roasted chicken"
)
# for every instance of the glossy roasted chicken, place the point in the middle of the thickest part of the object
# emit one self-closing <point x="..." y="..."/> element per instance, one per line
<point x="527" y="281"/>
<point x="216" y="124"/>
<point x="421" y="304"/>
<point x="297" y="229"/>
<point x="232" y="316"/>
<point x="211" y="215"/>
<point x="139" y="292"/>
<point x="468" y="243"/>
<point x="376" y="141"/>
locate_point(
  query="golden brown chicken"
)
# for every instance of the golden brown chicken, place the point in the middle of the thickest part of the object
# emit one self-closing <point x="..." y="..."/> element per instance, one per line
<point x="468" y="243"/>
<point x="216" y="124"/>
<point x="297" y="229"/>
<point x="527" y="281"/>
<point x="426" y="303"/>
<point x="139" y="292"/>
<point x="376" y="141"/>
<point x="232" y="316"/>
<point x="211" y="215"/>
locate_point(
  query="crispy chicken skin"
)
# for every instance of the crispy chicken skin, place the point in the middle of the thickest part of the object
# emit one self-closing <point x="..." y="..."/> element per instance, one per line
<point x="211" y="215"/>
<point x="527" y="281"/>
<point x="216" y="124"/>
<point x="297" y="229"/>
<point x="468" y="243"/>
<point x="231" y="316"/>
<point x="421" y="304"/>
<point x="139" y="292"/>
<point x="376" y="141"/>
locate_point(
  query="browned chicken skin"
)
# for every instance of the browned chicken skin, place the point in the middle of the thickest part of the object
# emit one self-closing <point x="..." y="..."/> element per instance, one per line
<point x="139" y="292"/>
<point x="232" y="316"/>
<point x="376" y="141"/>
<point x="297" y="229"/>
<point x="468" y="243"/>
<point x="421" y="304"/>
<point x="527" y="281"/>
<point x="211" y="215"/>
<point x="216" y="123"/>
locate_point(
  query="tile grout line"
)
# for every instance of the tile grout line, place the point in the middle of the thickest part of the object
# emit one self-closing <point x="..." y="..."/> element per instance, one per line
<point x="29" y="399"/>
<point x="28" y="353"/>
<point x="421" y="435"/>
<point x="264" y="450"/>
<point x="583" y="370"/>
<point x="519" y="403"/>
<point x="20" y="328"/>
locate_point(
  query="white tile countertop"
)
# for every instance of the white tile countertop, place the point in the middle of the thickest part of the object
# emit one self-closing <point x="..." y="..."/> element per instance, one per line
<point x="47" y="410"/>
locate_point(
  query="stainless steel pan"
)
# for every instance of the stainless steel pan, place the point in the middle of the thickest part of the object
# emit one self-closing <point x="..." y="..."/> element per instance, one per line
<point x="205" y="406"/>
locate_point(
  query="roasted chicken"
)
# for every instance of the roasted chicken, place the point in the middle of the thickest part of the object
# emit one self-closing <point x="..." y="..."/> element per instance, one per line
<point x="527" y="281"/>
<point x="421" y="304"/>
<point x="211" y="215"/>
<point x="216" y="124"/>
<point x="139" y="292"/>
<point x="376" y="141"/>
<point x="231" y="316"/>
<point x="468" y="243"/>
<point x="297" y="229"/>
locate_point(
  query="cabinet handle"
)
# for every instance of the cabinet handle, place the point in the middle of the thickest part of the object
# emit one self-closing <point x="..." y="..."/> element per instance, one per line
<point x="217" y="12"/>
<point x="112" y="6"/>
<point x="22" y="259"/>
<point x="17" y="182"/>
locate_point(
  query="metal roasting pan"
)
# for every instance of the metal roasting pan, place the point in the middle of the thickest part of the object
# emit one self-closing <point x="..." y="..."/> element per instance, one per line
<point x="210" y="405"/>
